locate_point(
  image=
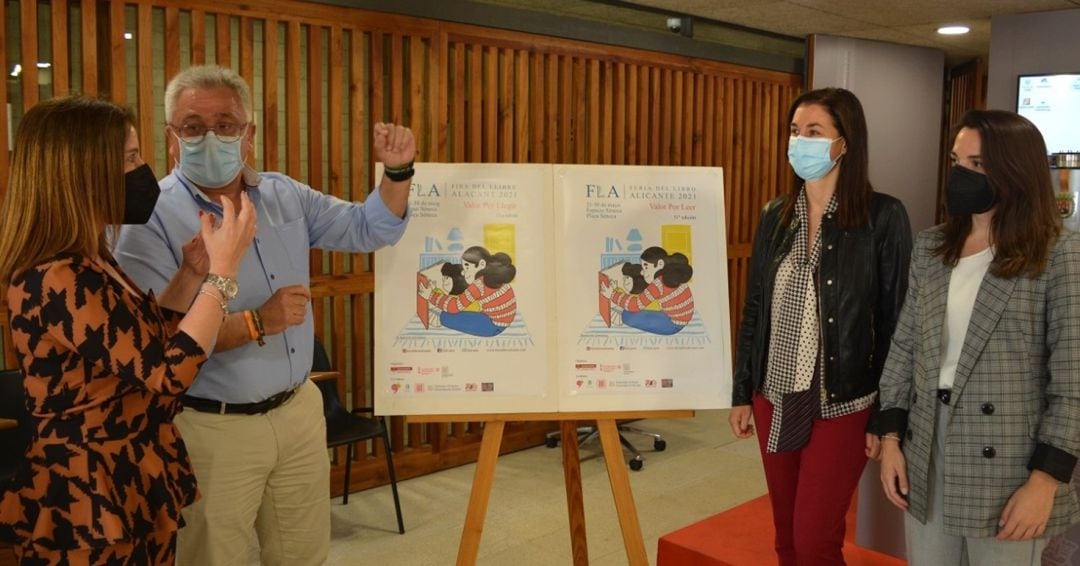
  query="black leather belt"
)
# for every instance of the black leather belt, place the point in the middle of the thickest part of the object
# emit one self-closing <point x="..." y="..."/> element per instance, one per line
<point x="223" y="408"/>
<point x="944" y="395"/>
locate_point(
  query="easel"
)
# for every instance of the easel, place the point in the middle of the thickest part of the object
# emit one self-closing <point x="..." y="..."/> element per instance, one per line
<point x="494" y="424"/>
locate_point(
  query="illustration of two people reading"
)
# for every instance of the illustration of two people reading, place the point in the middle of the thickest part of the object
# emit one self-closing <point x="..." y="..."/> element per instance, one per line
<point x="475" y="296"/>
<point x="653" y="296"/>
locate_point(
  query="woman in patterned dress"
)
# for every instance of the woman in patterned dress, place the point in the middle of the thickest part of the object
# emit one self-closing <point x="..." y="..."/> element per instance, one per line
<point x="827" y="279"/>
<point x="106" y="473"/>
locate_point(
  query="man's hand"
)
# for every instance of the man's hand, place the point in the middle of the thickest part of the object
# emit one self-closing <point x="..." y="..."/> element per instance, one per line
<point x="1028" y="510"/>
<point x="227" y="240"/>
<point x="196" y="260"/>
<point x="739" y="419"/>
<point x="287" y="307"/>
<point x="394" y="146"/>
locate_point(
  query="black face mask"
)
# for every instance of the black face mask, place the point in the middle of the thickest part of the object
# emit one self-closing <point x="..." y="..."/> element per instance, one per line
<point x="968" y="192"/>
<point x="141" y="192"/>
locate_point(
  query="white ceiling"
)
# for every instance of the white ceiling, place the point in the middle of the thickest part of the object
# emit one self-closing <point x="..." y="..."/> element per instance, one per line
<point x="911" y="22"/>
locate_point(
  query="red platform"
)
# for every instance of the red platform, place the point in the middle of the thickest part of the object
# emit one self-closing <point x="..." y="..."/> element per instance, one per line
<point x="743" y="536"/>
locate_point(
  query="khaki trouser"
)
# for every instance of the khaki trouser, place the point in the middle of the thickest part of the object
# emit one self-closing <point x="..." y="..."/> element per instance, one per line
<point x="270" y="472"/>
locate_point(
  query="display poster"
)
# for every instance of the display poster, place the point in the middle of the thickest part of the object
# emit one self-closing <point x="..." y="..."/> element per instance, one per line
<point x="642" y="288"/>
<point x="463" y="301"/>
<point x="540" y="288"/>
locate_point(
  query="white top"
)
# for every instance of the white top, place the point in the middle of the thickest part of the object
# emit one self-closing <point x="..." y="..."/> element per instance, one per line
<point x="964" y="285"/>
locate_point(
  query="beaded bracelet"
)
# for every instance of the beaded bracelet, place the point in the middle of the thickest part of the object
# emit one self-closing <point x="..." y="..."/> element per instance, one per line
<point x="256" y="322"/>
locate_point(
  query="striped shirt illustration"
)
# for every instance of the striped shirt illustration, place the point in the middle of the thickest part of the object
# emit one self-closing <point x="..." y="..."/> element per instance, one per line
<point x="677" y="303"/>
<point x="500" y="305"/>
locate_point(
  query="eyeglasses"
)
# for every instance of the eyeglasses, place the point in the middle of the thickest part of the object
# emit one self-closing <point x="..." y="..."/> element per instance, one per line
<point x="227" y="132"/>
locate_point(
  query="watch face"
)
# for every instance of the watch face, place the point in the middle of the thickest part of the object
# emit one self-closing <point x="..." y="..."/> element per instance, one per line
<point x="227" y="286"/>
<point x="231" y="288"/>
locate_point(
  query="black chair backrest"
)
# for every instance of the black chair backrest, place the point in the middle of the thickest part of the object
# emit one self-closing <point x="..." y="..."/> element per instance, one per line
<point x="332" y="407"/>
<point x="319" y="360"/>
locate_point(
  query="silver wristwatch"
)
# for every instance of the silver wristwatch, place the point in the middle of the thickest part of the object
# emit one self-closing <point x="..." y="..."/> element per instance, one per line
<point x="227" y="285"/>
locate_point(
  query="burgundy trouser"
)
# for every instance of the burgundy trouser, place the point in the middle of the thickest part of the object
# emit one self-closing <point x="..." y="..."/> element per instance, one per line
<point x="810" y="489"/>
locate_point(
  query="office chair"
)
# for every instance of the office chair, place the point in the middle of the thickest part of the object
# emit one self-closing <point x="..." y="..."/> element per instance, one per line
<point x="588" y="434"/>
<point x="13" y="441"/>
<point x="348" y="428"/>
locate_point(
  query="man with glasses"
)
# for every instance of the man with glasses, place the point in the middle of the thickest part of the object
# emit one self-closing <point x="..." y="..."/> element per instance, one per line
<point x="253" y="423"/>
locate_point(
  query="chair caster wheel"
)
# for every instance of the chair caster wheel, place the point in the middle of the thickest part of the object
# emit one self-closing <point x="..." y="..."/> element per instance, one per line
<point x="551" y="442"/>
<point x="636" y="465"/>
<point x="659" y="444"/>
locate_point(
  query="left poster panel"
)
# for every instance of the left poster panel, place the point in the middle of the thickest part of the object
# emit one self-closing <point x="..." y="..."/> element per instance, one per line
<point x="463" y="302"/>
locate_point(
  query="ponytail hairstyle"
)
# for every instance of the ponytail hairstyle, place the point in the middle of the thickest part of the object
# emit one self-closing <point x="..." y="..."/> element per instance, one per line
<point x="676" y="271"/>
<point x="500" y="270"/>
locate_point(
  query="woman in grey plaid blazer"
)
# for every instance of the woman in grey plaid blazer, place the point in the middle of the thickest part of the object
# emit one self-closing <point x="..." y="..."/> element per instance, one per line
<point x="980" y="394"/>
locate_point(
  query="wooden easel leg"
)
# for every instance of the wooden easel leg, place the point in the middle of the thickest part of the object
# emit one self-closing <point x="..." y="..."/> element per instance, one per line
<point x="481" y="493"/>
<point x="620" y="488"/>
<point x="575" y="500"/>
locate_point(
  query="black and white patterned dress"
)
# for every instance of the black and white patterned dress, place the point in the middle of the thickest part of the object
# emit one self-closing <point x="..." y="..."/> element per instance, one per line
<point x="794" y="377"/>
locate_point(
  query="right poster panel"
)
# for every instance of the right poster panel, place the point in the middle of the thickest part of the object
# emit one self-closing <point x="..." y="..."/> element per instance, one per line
<point x="641" y="259"/>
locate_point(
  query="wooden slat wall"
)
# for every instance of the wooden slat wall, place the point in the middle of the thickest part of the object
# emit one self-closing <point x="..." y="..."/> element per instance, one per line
<point x="966" y="90"/>
<point x="471" y="94"/>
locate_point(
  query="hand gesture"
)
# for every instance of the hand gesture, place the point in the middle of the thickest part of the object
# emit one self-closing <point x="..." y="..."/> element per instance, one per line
<point x="894" y="473"/>
<point x="394" y="146"/>
<point x="227" y="241"/>
<point x="286" y="307"/>
<point x="196" y="260"/>
<point x="739" y="419"/>
<point x="607" y="290"/>
<point x="1028" y="510"/>
<point x="425" y="290"/>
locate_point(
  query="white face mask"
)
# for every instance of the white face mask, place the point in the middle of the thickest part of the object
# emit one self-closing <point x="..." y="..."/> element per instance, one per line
<point x="210" y="162"/>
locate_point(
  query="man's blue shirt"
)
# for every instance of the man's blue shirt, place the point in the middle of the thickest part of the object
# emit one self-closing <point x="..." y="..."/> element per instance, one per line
<point x="292" y="218"/>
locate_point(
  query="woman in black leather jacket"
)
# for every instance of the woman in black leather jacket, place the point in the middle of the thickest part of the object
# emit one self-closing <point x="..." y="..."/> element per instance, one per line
<point x="827" y="279"/>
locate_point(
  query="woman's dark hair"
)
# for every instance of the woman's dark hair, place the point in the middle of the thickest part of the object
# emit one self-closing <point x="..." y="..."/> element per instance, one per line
<point x="633" y="271"/>
<point x="498" y="270"/>
<point x="1026" y="223"/>
<point x="454" y="272"/>
<point x="853" y="189"/>
<point x="677" y="269"/>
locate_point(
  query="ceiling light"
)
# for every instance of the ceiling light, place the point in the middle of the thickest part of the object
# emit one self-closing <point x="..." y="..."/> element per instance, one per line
<point x="128" y="35"/>
<point x="41" y="65"/>
<point x="16" y="70"/>
<point x="953" y="30"/>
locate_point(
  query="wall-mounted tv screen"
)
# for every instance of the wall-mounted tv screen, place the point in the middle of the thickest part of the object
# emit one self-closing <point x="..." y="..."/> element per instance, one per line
<point x="1052" y="103"/>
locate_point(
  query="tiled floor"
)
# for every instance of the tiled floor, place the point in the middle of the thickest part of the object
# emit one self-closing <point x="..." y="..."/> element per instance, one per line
<point x="703" y="471"/>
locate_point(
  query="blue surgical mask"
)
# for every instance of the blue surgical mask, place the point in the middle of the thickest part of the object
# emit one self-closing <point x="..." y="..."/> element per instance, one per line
<point x="809" y="157"/>
<point x="210" y="162"/>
